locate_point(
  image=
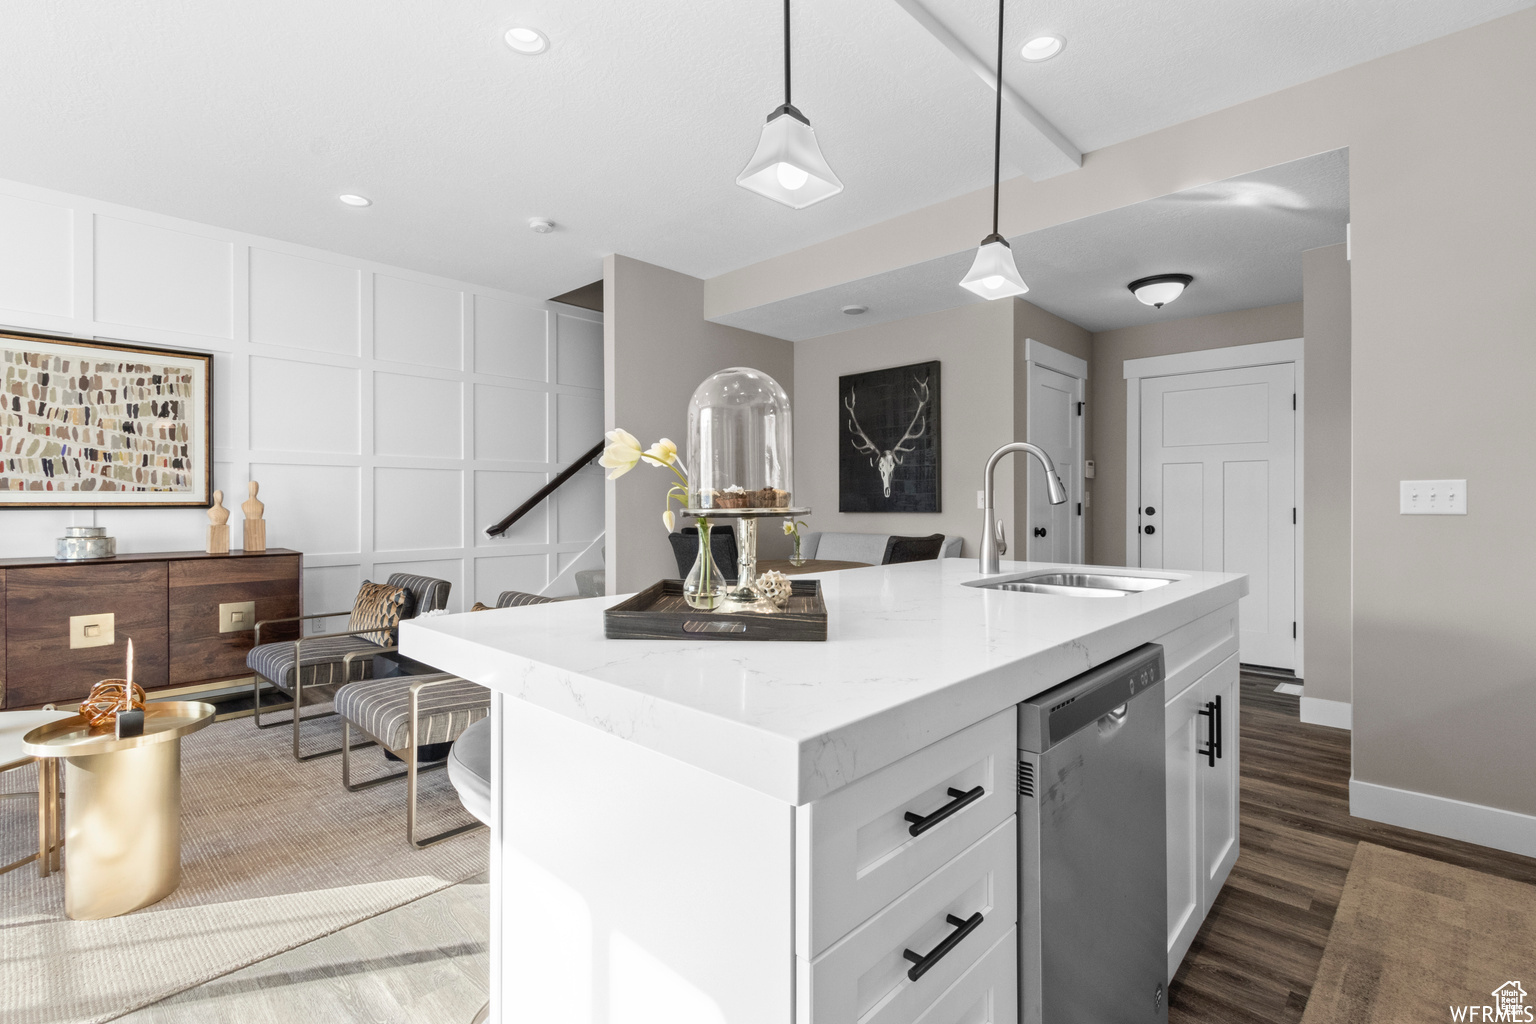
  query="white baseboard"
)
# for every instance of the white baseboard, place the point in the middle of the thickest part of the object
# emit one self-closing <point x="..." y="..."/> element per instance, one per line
<point x="1442" y="816"/>
<point x="1336" y="714"/>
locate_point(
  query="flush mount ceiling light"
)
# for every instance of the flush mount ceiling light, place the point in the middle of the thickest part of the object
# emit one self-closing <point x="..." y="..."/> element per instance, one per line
<point x="355" y="200"/>
<point x="788" y="166"/>
<point x="1042" y="48"/>
<point x="1159" y="289"/>
<point x="993" y="275"/>
<point x="527" y="41"/>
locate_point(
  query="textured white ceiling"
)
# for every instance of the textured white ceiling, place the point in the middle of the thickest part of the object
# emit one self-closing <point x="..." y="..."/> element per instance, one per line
<point x="1241" y="239"/>
<point x="628" y="133"/>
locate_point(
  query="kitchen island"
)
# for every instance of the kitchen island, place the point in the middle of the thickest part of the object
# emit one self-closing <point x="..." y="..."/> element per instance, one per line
<point x="714" y="831"/>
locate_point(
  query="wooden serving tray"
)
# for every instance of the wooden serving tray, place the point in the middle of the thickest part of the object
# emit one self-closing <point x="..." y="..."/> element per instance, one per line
<point x="659" y="613"/>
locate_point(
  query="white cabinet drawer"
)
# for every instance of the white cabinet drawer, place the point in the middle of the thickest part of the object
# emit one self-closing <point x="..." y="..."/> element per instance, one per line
<point x="854" y="848"/>
<point x="865" y="977"/>
<point x="1194" y="648"/>
<point x="988" y="993"/>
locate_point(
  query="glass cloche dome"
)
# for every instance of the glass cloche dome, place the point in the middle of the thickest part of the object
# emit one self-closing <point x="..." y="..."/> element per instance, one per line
<point x="739" y="445"/>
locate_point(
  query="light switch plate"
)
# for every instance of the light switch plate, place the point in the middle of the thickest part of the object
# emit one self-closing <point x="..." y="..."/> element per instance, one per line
<point x="1432" y="497"/>
<point x="237" y="616"/>
<point x="92" y="630"/>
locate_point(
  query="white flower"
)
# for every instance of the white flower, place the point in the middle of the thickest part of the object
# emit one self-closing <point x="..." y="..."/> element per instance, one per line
<point x="789" y="527"/>
<point x="622" y="453"/>
<point x="662" y="453"/>
<point x="668" y="519"/>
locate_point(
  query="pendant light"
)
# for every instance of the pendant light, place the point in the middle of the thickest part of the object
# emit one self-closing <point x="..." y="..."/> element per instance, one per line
<point x="788" y="166"/>
<point x="993" y="275"/>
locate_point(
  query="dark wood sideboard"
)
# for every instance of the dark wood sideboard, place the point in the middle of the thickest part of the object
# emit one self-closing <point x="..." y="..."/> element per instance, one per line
<point x="166" y="602"/>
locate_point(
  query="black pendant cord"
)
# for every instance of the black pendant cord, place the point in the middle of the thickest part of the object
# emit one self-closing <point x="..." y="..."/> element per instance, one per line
<point x="786" y="53"/>
<point x="997" y="130"/>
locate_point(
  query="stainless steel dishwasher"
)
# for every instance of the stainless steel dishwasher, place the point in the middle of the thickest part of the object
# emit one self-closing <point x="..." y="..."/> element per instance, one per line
<point x="1093" y="848"/>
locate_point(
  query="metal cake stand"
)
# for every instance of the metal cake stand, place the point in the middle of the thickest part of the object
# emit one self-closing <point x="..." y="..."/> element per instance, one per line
<point x="746" y="592"/>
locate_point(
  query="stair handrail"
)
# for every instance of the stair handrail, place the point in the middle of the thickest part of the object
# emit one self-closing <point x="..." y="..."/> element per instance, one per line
<point x="545" y="491"/>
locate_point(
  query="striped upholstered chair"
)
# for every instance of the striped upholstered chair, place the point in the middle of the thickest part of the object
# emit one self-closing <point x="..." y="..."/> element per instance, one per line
<point x="326" y="661"/>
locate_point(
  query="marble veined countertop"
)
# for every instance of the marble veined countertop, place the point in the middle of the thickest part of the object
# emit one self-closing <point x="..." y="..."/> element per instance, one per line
<point x="911" y="656"/>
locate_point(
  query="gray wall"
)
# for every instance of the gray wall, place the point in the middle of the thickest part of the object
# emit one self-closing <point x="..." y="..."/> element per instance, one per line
<point x="974" y="344"/>
<point x="657" y="347"/>
<point x="1326" y="569"/>
<point x="1030" y="321"/>
<point x="1106" y="382"/>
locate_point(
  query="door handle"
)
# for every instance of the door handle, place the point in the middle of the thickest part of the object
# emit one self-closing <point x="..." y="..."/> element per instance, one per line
<point x="1149" y="529"/>
<point x="921" y="962"/>
<point x="959" y="798"/>
<point x="1039" y="531"/>
<point x="1212" y="713"/>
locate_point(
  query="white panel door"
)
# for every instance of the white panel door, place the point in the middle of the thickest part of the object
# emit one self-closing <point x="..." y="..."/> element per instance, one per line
<point x="1218" y="491"/>
<point x="1054" y="533"/>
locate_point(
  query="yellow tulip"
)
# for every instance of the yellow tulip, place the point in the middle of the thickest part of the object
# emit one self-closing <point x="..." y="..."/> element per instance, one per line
<point x="668" y="519"/>
<point x="621" y="454"/>
<point x="789" y="527"/>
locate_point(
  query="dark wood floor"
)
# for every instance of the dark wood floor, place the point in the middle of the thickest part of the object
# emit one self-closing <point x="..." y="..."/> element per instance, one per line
<point x="1257" y="955"/>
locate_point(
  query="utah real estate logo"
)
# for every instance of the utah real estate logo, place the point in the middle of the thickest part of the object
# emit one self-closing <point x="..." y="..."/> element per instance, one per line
<point x="1508" y="1005"/>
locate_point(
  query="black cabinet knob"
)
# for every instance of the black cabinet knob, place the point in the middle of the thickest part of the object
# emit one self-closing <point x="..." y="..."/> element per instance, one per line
<point x="1149" y="529"/>
<point x="1039" y="531"/>
<point x="1151" y="511"/>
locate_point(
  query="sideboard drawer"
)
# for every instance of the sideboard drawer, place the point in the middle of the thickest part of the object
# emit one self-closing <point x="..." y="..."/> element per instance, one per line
<point x="40" y="664"/>
<point x="864" y="976"/>
<point x="200" y="651"/>
<point x="855" y="848"/>
<point x="988" y="993"/>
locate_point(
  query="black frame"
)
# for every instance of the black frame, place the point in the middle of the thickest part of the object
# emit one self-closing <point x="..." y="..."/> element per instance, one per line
<point x="887" y="405"/>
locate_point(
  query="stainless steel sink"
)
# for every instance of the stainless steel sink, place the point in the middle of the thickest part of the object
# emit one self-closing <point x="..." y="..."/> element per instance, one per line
<point x="1073" y="584"/>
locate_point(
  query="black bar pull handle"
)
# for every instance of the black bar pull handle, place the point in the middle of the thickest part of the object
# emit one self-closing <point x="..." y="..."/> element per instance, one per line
<point x="961" y="797"/>
<point x="1216" y="719"/>
<point x="1212" y="713"/>
<point x="921" y="963"/>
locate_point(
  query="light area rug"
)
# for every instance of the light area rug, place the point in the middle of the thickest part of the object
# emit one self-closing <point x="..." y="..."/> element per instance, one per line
<point x="1414" y="938"/>
<point x="274" y="854"/>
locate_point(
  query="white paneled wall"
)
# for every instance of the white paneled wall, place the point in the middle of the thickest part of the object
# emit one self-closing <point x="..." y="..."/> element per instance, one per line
<point x="390" y="416"/>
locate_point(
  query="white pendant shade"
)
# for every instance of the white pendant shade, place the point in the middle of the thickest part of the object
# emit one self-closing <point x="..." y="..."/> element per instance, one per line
<point x="788" y="166"/>
<point x="993" y="275"/>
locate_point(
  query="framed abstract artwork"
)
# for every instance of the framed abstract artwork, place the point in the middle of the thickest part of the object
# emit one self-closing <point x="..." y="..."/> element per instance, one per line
<point x="888" y="443"/>
<point x="103" y="424"/>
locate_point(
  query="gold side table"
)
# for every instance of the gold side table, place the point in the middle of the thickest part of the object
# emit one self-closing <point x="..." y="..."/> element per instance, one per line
<point x="122" y="821"/>
<point x="13" y="726"/>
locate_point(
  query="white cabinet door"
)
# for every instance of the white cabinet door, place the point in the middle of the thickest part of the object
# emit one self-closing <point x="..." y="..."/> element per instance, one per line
<point x="1202" y="801"/>
<point x="1183" y="728"/>
<point x="1219" y="783"/>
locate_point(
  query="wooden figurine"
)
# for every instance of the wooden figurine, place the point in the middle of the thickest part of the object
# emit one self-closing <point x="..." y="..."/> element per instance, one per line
<point x="255" y="526"/>
<point x="218" y="526"/>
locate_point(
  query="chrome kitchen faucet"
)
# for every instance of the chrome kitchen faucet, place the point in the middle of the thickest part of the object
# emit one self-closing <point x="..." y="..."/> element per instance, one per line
<point x="993" y="543"/>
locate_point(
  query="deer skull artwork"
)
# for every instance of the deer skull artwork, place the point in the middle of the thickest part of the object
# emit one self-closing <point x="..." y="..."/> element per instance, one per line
<point x="886" y="460"/>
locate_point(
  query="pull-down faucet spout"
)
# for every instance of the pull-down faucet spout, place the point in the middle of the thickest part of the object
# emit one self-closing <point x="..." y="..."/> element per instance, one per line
<point x="993" y="543"/>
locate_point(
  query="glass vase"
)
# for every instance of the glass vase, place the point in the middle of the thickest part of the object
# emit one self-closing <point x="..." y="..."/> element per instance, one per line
<point x="704" y="588"/>
<point x="796" y="558"/>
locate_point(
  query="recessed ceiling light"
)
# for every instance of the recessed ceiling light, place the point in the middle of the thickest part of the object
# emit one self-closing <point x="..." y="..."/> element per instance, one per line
<point x="1159" y="289"/>
<point x="1042" y="48"/>
<point x="856" y="309"/>
<point x="529" y="41"/>
<point x="355" y="200"/>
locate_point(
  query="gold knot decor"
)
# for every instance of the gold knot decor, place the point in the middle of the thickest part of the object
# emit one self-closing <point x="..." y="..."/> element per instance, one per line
<point x="774" y="586"/>
<point x="108" y="697"/>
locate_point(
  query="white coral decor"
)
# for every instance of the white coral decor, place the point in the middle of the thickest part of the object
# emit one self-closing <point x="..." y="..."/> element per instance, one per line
<point x="773" y="586"/>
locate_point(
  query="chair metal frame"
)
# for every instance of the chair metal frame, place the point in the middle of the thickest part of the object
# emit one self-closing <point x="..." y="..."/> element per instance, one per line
<point x="412" y="769"/>
<point x="298" y="677"/>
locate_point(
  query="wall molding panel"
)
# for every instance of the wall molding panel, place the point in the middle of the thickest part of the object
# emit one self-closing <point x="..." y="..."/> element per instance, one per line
<point x="389" y="415"/>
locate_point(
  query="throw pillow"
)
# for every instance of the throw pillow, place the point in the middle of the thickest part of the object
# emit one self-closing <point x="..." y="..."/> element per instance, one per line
<point x="379" y="607"/>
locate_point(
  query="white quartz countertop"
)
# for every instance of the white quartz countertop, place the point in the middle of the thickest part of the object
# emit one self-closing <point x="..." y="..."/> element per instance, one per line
<point x="911" y="656"/>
